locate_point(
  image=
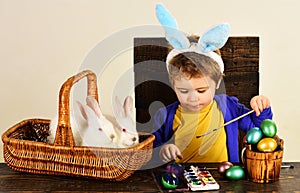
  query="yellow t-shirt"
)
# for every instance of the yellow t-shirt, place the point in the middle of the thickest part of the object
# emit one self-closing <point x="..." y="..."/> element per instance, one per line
<point x="209" y="148"/>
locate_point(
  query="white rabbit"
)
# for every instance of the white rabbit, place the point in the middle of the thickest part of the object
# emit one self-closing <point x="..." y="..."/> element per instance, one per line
<point x="124" y="125"/>
<point x="89" y="126"/>
<point x="100" y="131"/>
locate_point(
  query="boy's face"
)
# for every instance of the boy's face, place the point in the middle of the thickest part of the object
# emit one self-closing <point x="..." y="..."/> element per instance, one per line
<point x="196" y="93"/>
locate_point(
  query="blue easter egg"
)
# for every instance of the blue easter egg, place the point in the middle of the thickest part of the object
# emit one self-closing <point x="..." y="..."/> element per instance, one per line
<point x="254" y="135"/>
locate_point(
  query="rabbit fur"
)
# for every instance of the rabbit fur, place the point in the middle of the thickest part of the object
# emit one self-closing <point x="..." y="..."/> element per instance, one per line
<point x="124" y="124"/>
<point x="91" y="128"/>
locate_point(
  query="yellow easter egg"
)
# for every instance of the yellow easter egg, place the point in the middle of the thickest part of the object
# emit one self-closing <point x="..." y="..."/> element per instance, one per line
<point x="267" y="145"/>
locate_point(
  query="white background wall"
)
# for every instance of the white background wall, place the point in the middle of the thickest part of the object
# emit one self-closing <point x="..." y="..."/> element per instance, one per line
<point x="43" y="42"/>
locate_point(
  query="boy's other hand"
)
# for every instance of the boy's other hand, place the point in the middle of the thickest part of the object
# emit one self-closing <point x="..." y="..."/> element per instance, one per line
<point x="259" y="103"/>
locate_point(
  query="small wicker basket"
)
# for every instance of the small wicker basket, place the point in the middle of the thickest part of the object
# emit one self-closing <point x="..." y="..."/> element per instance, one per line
<point x="25" y="148"/>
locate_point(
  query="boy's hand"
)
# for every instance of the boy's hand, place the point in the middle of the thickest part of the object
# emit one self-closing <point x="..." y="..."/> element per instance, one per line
<point x="169" y="152"/>
<point x="259" y="103"/>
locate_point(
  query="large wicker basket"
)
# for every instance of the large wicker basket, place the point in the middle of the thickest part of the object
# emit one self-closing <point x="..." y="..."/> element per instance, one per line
<point x="25" y="148"/>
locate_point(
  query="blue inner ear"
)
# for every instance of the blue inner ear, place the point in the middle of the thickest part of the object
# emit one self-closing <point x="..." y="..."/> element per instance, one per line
<point x="177" y="39"/>
<point x="215" y="38"/>
<point x="165" y="17"/>
<point x="175" y="43"/>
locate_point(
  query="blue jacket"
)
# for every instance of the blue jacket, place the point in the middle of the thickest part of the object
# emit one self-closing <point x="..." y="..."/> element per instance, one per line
<point x="230" y="108"/>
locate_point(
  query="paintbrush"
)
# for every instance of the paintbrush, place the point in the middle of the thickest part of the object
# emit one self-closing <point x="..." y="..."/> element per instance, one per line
<point x="227" y="123"/>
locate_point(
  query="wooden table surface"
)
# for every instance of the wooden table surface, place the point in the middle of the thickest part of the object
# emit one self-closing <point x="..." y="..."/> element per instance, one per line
<point x="140" y="181"/>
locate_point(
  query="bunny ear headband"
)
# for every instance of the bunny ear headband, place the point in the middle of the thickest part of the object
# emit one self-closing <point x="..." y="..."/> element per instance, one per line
<point x="210" y="41"/>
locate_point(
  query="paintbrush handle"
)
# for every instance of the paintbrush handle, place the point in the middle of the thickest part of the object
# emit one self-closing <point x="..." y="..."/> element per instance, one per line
<point x="227" y="123"/>
<point x="239" y="117"/>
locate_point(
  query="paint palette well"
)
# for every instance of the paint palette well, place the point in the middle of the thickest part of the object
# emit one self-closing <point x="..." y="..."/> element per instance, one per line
<point x="200" y="179"/>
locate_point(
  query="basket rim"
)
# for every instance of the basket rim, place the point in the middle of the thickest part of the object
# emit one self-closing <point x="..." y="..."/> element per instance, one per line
<point x="6" y="139"/>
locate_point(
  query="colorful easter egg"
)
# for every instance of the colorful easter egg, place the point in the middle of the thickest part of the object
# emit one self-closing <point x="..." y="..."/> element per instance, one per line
<point x="268" y="128"/>
<point x="235" y="173"/>
<point x="175" y="168"/>
<point x="223" y="166"/>
<point x="254" y="135"/>
<point x="267" y="145"/>
<point x="169" y="181"/>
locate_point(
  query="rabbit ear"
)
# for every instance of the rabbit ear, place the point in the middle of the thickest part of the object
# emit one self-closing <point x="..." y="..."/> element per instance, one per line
<point x="165" y="17"/>
<point x="215" y="38"/>
<point x="93" y="104"/>
<point x="122" y="113"/>
<point x="176" y="38"/>
<point x="82" y="110"/>
<point x="90" y="115"/>
<point x="128" y="106"/>
<point x="118" y="108"/>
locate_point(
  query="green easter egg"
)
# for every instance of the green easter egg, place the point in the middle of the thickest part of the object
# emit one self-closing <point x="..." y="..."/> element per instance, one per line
<point x="235" y="173"/>
<point x="169" y="181"/>
<point x="268" y="127"/>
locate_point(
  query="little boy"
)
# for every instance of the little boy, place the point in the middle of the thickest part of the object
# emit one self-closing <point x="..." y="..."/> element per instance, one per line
<point x="195" y="72"/>
<point x="195" y="78"/>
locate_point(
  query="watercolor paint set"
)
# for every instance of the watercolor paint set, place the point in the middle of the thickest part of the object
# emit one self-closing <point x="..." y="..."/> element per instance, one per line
<point x="200" y="179"/>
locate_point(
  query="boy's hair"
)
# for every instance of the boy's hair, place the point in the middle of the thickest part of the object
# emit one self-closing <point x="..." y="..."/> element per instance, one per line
<point x="194" y="65"/>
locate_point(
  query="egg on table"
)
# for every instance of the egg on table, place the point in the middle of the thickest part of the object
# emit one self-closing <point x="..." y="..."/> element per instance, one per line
<point x="169" y="180"/>
<point x="175" y="168"/>
<point x="235" y="173"/>
<point x="223" y="166"/>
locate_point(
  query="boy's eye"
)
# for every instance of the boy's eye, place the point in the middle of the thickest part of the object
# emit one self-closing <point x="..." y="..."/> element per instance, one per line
<point x="201" y="91"/>
<point x="183" y="91"/>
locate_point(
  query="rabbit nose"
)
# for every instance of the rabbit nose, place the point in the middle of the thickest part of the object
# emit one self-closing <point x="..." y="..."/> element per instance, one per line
<point x="112" y="137"/>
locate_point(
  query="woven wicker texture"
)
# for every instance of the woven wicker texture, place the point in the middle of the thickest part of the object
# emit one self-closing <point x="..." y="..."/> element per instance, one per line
<point x="25" y="148"/>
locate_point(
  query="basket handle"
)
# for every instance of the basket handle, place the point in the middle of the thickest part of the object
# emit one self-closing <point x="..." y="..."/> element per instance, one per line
<point x="64" y="136"/>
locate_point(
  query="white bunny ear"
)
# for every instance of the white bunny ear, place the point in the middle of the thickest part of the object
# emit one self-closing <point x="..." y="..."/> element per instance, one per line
<point x="89" y="115"/>
<point x="82" y="110"/>
<point x="176" y="38"/>
<point x="93" y="104"/>
<point x="128" y="106"/>
<point x="215" y="38"/>
<point x="118" y="109"/>
<point x="122" y="113"/>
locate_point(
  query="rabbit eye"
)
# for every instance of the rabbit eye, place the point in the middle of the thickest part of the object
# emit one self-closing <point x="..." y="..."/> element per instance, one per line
<point x="134" y="139"/>
<point x="124" y="130"/>
<point x="100" y="129"/>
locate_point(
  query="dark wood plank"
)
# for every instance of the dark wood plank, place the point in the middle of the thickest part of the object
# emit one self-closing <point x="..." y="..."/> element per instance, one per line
<point x="140" y="181"/>
<point x="13" y="181"/>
